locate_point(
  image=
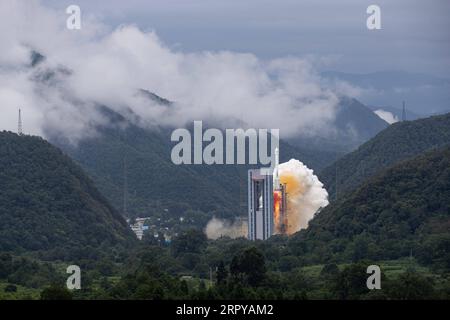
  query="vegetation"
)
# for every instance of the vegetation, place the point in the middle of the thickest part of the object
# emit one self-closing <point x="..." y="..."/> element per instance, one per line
<point x="49" y="206"/>
<point x="16" y="292"/>
<point x="404" y="210"/>
<point x="400" y="141"/>
<point x="51" y="216"/>
<point x="56" y="292"/>
<point x="155" y="185"/>
<point x="252" y="274"/>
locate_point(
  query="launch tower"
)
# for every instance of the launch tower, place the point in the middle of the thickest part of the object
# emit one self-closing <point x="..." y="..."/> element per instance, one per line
<point x="260" y="205"/>
<point x="267" y="204"/>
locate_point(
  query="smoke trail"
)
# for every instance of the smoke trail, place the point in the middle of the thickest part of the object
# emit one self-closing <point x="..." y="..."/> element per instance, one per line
<point x="305" y="194"/>
<point x="217" y="228"/>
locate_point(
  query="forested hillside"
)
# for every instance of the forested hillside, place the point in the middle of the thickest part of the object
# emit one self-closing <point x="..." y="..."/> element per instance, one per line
<point x="154" y="184"/>
<point x="47" y="204"/>
<point x="400" y="141"/>
<point x="405" y="210"/>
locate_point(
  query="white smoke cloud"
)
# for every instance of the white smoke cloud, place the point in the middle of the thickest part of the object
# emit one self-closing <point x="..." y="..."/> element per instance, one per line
<point x="100" y="66"/>
<point x="305" y="194"/>
<point x="217" y="228"/>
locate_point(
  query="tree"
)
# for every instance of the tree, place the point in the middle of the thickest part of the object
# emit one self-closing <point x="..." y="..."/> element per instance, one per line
<point x="251" y="264"/>
<point x="360" y="247"/>
<point x="184" y="289"/>
<point x="351" y="282"/>
<point x="330" y="270"/>
<point x="411" y="286"/>
<point x="192" y="241"/>
<point x="221" y="273"/>
<point x="56" y="292"/>
<point x="6" y="263"/>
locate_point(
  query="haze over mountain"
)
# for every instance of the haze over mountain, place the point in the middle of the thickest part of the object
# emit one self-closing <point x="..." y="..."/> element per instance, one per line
<point x="154" y="183"/>
<point x="354" y="124"/>
<point x="59" y="81"/>
<point x="102" y="136"/>
<point x="424" y="94"/>
<point x="102" y="66"/>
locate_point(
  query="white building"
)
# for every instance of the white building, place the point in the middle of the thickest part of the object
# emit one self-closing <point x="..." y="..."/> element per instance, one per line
<point x="138" y="227"/>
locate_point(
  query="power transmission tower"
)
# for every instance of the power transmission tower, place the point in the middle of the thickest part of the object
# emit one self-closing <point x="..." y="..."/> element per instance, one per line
<point x="336" y="176"/>
<point x="19" y="126"/>
<point x="404" y="112"/>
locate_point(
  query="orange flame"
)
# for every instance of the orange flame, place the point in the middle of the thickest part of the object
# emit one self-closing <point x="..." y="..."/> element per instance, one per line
<point x="276" y="210"/>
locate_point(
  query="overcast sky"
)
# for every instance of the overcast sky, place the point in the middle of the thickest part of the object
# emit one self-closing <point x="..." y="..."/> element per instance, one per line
<point x="189" y="51"/>
<point x="414" y="37"/>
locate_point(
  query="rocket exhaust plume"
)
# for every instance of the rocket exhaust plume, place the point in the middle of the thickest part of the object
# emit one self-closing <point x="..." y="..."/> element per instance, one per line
<point x="305" y="195"/>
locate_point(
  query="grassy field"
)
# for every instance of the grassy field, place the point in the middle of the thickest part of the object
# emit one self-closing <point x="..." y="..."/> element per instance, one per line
<point x="391" y="269"/>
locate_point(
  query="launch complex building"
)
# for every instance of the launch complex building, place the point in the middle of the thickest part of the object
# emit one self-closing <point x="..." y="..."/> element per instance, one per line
<point x="267" y="203"/>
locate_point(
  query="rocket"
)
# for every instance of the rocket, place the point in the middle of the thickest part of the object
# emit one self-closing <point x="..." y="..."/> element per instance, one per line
<point x="279" y="198"/>
<point x="276" y="176"/>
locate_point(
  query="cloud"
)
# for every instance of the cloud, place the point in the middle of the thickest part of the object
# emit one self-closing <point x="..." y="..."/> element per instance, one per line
<point x="387" y="116"/>
<point x="98" y="66"/>
<point x="305" y="194"/>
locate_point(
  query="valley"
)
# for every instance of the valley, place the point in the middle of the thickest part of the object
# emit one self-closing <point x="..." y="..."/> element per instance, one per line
<point x="349" y="233"/>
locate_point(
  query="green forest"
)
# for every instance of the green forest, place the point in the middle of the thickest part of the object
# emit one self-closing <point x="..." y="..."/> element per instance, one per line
<point x="48" y="205"/>
<point x="122" y="150"/>
<point x="400" y="141"/>
<point x="398" y="217"/>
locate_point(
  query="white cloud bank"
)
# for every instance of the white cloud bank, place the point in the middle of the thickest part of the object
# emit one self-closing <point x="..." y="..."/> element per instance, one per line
<point x="101" y="66"/>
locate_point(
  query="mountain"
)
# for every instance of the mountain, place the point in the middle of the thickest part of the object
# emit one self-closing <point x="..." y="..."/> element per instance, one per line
<point x="353" y="125"/>
<point x="398" y="142"/>
<point x="129" y="158"/>
<point x="424" y="94"/>
<point x="403" y="210"/>
<point x="154" y="184"/>
<point x="48" y="204"/>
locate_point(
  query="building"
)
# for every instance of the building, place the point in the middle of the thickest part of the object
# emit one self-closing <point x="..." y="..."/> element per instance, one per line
<point x="138" y="230"/>
<point x="260" y="205"/>
<point x="138" y="227"/>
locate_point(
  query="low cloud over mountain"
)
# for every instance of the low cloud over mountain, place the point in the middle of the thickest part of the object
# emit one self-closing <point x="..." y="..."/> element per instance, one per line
<point x="77" y="70"/>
